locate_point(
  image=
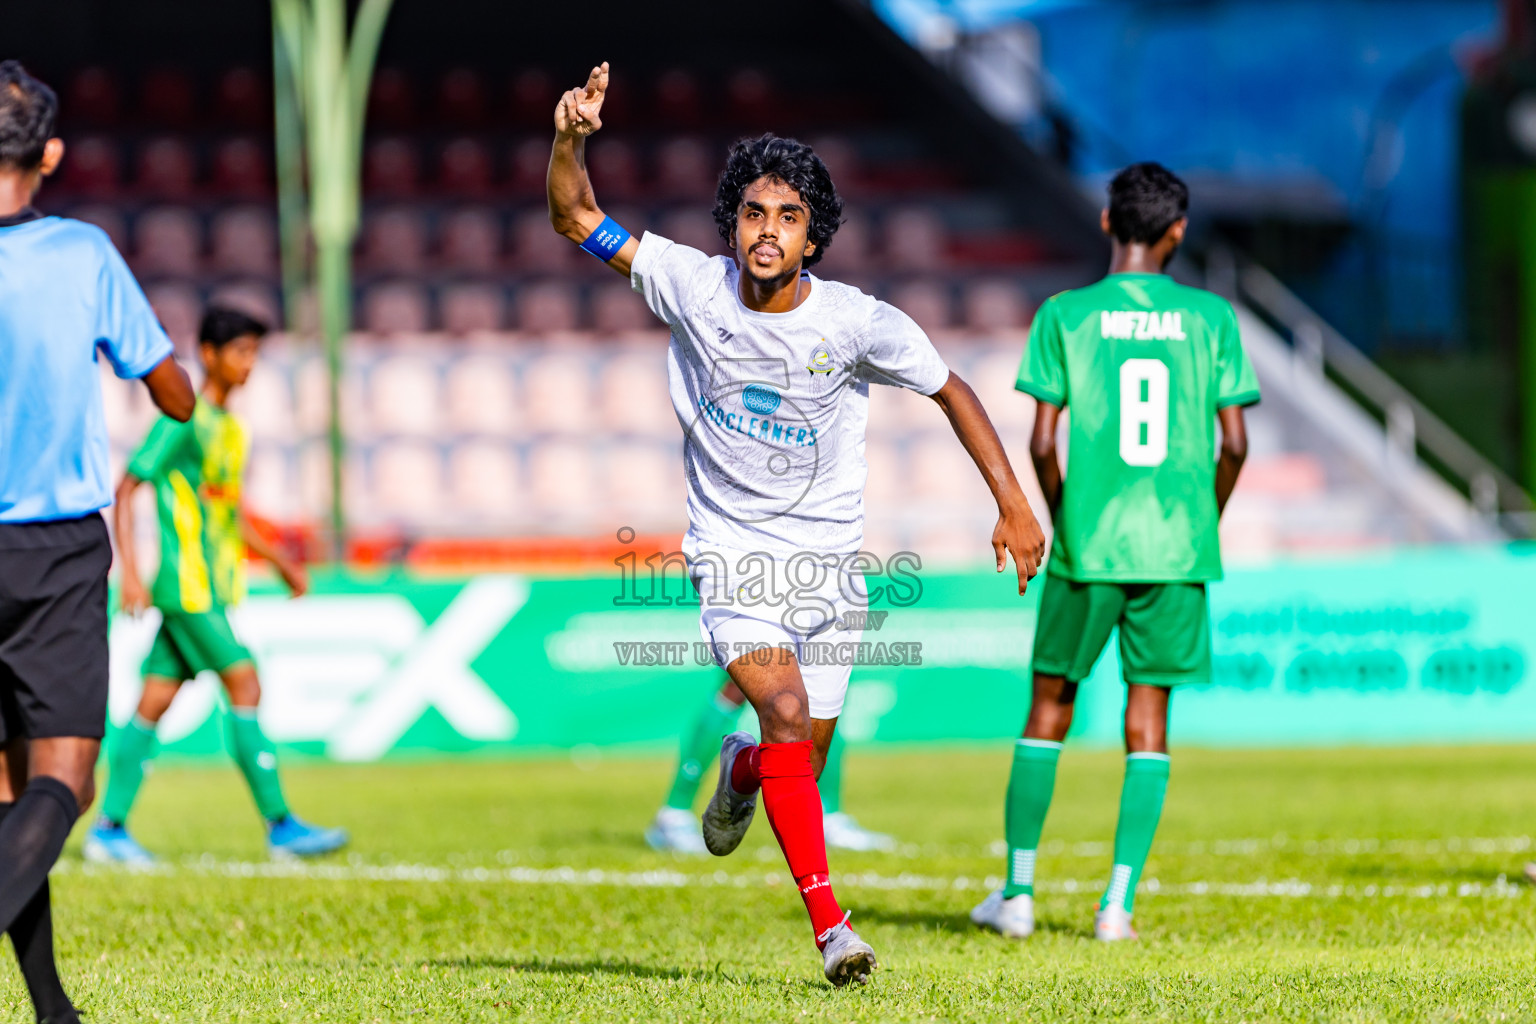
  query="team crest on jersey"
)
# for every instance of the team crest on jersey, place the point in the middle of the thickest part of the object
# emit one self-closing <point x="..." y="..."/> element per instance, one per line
<point x="760" y="398"/>
<point x="821" y="359"/>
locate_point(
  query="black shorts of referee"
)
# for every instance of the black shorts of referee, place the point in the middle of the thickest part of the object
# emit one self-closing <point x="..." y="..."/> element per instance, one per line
<point x="53" y="628"/>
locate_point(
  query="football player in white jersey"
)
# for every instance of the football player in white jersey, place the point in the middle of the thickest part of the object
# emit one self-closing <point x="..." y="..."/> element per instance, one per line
<point x="769" y="371"/>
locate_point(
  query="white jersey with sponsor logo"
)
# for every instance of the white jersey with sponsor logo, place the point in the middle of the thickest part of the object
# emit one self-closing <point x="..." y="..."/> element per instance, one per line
<point x="774" y="405"/>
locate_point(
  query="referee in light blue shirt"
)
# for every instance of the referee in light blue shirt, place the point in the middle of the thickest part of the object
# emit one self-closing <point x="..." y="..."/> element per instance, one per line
<point x="66" y="300"/>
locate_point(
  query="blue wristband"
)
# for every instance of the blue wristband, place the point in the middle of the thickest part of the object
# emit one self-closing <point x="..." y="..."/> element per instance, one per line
<point x="608" y="239"/>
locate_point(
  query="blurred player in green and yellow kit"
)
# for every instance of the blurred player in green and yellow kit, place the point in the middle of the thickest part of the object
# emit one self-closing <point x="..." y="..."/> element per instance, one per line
<point x="1148" y="368"/>
<point x="196" y="469"/>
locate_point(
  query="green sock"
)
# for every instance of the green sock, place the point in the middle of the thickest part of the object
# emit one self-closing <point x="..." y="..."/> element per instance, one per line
<point x="1029" y="796"/>
<point x="700" y="746"/>
<point x="257" y="759"/>
<point x="132" y="748"/>
<point x="1141" y="805"/>
<point x="831" y="781"/>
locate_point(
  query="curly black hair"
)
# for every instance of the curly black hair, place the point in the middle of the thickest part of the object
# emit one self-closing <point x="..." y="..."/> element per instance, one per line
<point x="222" y="325"/>
<point x="1145" y="200"/>
<point x="796" y="165"/>
<point x="28" y="109"/>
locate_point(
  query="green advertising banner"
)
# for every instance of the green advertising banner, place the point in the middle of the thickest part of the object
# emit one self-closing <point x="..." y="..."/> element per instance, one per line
<point x="1420" y="646"/>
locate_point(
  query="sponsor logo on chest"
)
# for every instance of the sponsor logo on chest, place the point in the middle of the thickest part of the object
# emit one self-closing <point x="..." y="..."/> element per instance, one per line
<point x="1141" y="325"/>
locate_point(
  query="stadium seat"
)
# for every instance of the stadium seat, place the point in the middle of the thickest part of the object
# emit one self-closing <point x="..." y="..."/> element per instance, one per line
<point x="244" y="241"/>
<point x="312" y="405"/>
<point x="896" y="413"/>
<point x="480" y="394"/>
<point x="271" y="484"/>
<point x="92" y="168"/>
<point x="678" y="101"/>
<point x="395" y="307"/>
<point x="557" y="392"/>
<point x="842" y="160"/>
<point x="391" y="169"/>
<point x="391" y="100"/>
<point x="693" y="226"/>
<point x="179" y="310"/>
<point x="533" y="94"/>
<point x="642" y="484"/>
<point x="751" y="99"/>
<point x="314" y="473"/>
<point x="395" y="240"/>
<point x="915" y="239"/>
<point x="537" y="249"/>
<point x="251" y="296"/>
<point x="242" y="99"/>
<point x="465" y="168"/>
<point x="405" y="396"/>
<point x="938" y="471"/>
<point x="167" y="169"/>
<point x="470" y="240"/>
<point x="461" y="98"/>
<point x="632" y="395"/>
<point x="927" y="302"/>
<point x="886" y="482"/>
<point x="995" y="305"/>
<point x="471" y="307"/>
<point x="615" y="168"/>
<point x="616" y="309"/>
<point x="485" y="480"/>
<point x="529" y="163"/>
<point x="686" y="168"/>
<point x="561" y="484"/>
<point x="167" y="240"/>
<point x="266" y="404"/>
<point x="992" y="375"/>
<point x="93" y="99"/>
<point x="547" y="307"/>
<point x="109" y="219"/>
<point x="850" y="248"/>
<point x="241" y="169"/>
<point x="168" y="98"/>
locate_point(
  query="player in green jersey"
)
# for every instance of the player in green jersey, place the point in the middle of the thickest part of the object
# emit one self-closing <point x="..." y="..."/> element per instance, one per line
<point x="1148" y="367"/>
<point x="675" y="828"/>
<point x="196" y="469"/>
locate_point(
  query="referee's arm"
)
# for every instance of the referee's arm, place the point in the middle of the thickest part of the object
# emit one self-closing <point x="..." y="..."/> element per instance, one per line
<point x="171" y="389"/>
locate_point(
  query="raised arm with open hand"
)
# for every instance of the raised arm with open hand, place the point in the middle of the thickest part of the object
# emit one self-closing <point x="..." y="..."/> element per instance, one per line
<point x="573" y="208"/>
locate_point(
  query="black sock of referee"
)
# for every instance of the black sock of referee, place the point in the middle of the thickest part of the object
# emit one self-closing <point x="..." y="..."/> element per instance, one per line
<point x="32" y="834"/>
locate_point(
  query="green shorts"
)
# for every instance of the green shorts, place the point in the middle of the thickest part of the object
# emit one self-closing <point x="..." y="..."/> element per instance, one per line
<point x="1165" y="630"/>
<point x="193" y="642"/>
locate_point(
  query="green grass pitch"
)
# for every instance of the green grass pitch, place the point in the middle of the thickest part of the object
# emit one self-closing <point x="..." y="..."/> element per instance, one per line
<point x="1322" y="885"/>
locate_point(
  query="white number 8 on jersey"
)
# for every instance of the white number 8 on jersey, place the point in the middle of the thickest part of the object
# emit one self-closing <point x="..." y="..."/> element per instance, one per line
<point x="1143" y="420"/>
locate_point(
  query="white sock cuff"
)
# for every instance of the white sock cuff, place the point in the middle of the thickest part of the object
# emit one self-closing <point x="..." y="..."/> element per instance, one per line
<point x="1041" y="744"/>
<point x="1146" y="756"/>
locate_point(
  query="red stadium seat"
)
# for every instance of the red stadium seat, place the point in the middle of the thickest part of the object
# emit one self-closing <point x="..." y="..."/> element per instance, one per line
<point x="465" y="168"/>
<point x="168" y="98"/>
<point x="93" y="98"/>
<point x="485" y="479"/>
<point x="167" y="169"/>
<point x="471" y="240"/>
<point x="995" y="305"/>
<point x="391" y="169"/>
<point x="537" y="249"/>
<point x="686" y="168"/>
<point x="678" y="100"/>
<point x="179" y="310"/>
<point x="244" y="241"/>
<point x="616" y="309"/>
<point x="461" y="98"/>
<point x="915" y="239"/>
<point x="391" y="100"/>
<point x="562" y="484"/>
<point x="241" y="169"/>
<point x="547" y="307"/>
<point x="533" y="95"/>
<point x="615" y="168"/>
<point x="405" y="396"/>
<point x="529" y="165"/>
<point x="642" y="484"/>
<point x="167" y="240"/>
<point x="243" y="100"/>
<point x="91" y="168"/>
<point x="257" y="298"/>
<point x="841" y="158"/>
<point x="695" y="227"/>
<point x="109" y="219"/>
<point x="481" y="396"/>
<point x="396" y="307"/>
<point x="395" y="240"/>
<point x="407" y="481"/>
<point x="470" y="308"/>
<point x="927" y="302"/>
<point x="557" y="392"/>
<point x="752" y="100"/>
<point x="850" y="248"/>
<point x="632" y="393"/>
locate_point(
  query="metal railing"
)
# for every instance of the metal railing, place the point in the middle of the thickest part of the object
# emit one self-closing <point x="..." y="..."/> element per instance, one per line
<point x="1411" y="430"/>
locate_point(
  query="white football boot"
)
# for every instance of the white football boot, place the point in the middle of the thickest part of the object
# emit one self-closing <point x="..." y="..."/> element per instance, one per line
<point x="1011" y="918"/>
<point x="729" y="814"/>
<point x="1113" y="924"/>
<point x="676" y="831"/>
<point x="844" y="956"/>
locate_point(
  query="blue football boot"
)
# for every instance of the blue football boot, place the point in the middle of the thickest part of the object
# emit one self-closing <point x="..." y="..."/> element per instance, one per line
<point x="108" y="843"/>
<point x="290" y="837"/>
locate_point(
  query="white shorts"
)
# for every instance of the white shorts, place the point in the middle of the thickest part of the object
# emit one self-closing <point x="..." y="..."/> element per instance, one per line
<point x="740" y="612"/>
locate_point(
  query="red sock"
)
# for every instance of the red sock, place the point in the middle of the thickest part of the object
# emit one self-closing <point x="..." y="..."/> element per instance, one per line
<point x="793" y="805"/>
<point x="744" y="776"/>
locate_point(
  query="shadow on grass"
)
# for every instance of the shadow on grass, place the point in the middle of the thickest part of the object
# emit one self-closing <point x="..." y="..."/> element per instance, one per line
<point x="621" y="968"/>
<point x="959" y="924"/>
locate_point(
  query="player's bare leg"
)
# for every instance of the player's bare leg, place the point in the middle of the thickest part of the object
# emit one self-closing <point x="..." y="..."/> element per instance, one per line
<point x="1141" y="806"/>
<point x="785" y="766"/>
<point x="1010" y="911"/>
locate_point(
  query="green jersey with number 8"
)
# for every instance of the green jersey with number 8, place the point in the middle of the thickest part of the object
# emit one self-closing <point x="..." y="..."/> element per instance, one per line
<point x="1142" y="363"/>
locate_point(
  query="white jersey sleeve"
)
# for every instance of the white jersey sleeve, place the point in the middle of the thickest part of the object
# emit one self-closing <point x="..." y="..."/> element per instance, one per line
<point x="669" y="275"/>
<point x="895" y="351"/>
